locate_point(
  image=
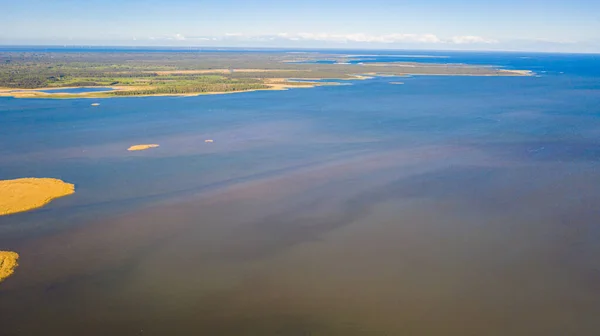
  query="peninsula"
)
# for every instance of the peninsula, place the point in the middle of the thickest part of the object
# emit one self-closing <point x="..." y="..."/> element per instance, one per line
<point x="126" y="74"/>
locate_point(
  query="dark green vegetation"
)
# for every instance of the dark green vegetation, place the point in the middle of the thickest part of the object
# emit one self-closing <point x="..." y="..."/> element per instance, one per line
<point x="193" y="84"/>
<point x="186" y="73"/>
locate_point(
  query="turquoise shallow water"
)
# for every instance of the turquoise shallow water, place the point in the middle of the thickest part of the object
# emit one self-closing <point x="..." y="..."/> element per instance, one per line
<point x="444" y="206"/>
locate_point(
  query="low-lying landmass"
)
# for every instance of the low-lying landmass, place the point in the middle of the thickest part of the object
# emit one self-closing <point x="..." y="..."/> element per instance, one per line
<point x="8" y="263"/>
<point x="25" y="194"/>
<point x="26" y="74"/>
<point x="141" y="147"/>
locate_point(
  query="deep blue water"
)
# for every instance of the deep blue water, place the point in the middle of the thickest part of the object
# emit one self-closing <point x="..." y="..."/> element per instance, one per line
<point x="469" y="201"/>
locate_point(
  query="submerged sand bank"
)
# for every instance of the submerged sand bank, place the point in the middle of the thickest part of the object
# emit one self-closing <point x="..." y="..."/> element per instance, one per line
<point x="25" y="194"/>
<point x="141" y="147"/>
<point x="8" y="263"/>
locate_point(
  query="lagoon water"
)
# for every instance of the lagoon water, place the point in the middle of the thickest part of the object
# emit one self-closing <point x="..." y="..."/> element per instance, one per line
<point x="445" y="206"/>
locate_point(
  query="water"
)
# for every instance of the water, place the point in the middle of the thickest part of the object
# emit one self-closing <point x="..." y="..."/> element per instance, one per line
<point x="78" y="90"/>
<point x="444" y="206"/>
<point x="544" y="63"/>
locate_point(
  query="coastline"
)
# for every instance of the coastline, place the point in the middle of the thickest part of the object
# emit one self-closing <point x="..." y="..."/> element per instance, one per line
<point x="274" y="84"/>
<point x="36" y="93"/>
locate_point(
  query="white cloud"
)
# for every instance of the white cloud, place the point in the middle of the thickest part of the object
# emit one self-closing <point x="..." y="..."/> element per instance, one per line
<point x="177" y="37"/>
<point x="367" y="38"/>
<point x="337" y="38"/>
<point x="360" y="37"/>
<point x="471" y="39"/>
<point x="547" y="40"/>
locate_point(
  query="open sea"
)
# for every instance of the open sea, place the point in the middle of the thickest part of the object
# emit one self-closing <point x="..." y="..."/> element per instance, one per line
<point x="443" y="206"/>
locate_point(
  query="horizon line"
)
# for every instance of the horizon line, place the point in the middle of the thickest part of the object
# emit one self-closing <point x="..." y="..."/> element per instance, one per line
<point x="285" y="48"/>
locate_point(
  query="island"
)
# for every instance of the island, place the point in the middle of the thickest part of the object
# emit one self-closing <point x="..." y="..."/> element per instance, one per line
<point x="25" y="194"/>
<point x="8" y="263"/>
<point x="141" y="147"/>
<point x="128" y="74"/>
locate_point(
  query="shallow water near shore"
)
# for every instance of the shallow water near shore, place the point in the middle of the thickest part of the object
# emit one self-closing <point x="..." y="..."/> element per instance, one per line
<point x="444" y="206"/>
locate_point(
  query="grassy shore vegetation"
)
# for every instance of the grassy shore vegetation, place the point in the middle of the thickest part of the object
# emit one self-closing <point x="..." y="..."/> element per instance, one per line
<point x="141" y="147"/>
<point x="172" y="73"/>
<point x="8" y="263"/>
<point x="25" y="194"/>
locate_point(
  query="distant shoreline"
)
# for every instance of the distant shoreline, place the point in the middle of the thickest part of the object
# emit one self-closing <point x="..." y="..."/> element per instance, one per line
<point x="182" y="74"/>
<point x="273" y="85"/>
<point x="36" y="93"/>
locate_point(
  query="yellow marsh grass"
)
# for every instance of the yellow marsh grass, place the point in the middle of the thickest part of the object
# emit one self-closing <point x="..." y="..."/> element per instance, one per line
<point x="8" y="263"/>
<point x="141" y="147"/>
<point x="30" y="193"/>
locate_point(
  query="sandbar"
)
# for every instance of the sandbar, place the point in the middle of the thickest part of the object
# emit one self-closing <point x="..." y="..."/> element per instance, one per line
<point x="25" y="194"/>
<point x="219" y="71"/>
<point x="518" y="72"/>
<point x="8" y="263"/>
<point x="271" y="84"/>
<point x="141" y="147"/>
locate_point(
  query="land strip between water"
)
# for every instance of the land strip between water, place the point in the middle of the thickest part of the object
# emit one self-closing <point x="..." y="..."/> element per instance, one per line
<point x="31" y="75"/>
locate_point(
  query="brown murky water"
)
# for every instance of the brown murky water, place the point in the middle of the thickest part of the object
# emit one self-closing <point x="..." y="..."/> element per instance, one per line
<point x="445" y="206"/>
<point x="405" y="242"/>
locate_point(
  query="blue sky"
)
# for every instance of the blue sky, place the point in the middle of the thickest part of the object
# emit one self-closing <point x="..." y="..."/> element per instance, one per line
<point x="532" y="25"/>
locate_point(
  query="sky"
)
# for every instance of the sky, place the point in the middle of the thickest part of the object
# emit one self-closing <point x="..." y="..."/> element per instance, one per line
<point x="520" y="25"/>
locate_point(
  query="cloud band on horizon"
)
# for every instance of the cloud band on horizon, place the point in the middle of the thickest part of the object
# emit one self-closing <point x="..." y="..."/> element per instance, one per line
<point x="340" y="38"/>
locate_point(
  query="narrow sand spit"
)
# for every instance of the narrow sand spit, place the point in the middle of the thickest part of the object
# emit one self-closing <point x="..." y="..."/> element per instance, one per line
<point x="25" y="194"/>
<point x="141" y="147"/>
<point x="8" y="263"/>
